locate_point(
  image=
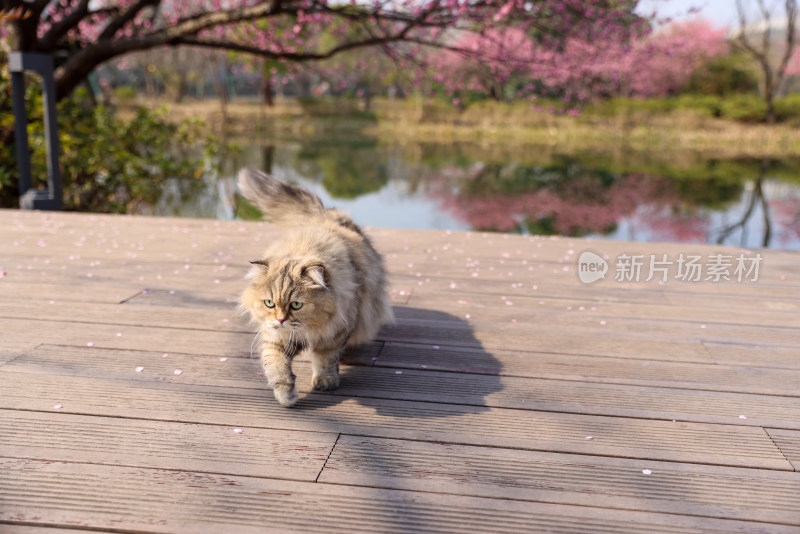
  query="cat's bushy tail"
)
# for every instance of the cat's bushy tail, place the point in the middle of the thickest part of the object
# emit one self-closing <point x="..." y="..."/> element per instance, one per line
<point x="280" y="202"/>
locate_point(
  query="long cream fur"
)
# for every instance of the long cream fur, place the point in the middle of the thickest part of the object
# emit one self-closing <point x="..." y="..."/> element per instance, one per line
<point x="319" y="288"/>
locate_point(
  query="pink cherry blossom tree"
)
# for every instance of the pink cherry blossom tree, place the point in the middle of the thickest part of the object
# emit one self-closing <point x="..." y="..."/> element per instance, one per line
<point x="92" y="32"/>
<point x="637" y="63"/>
<point x="663" y="63"/>
<point x="484" y="62"/>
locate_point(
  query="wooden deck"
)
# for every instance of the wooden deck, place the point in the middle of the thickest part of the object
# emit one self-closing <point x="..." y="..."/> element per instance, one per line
<point x="508" y="397"/>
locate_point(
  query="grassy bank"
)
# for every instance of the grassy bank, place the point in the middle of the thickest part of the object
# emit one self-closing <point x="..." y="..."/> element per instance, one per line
<point x="655" y="126"/>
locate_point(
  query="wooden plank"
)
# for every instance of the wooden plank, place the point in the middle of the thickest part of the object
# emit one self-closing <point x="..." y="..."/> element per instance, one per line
<point x="165" y="445"/>
<point x="789" y="444"/>
<point x="97" y="236"/>
<point x="531" y="430"/>
<point x="131" y="499"/>
<point x="530" y="330"/>
<point x="429" y="386"/>
<point x="723" y="301"/>
<point x="506" y="312"/>
<point x="26" y="529"/>
<point x="524" y="337"/>
<point x="114" y="336"/>
<point x="222" y="319"/>
<point x="566" y="308"/>
<point x="764" y="379"/>
<point x="166" y="276"/>
<point x="546" y="248"/>
<point x="730" y="493"/>
<point x="105" y="293"/>
<point x="574" y="397"/>
<point x="11" y="349"/>
<point x="526" y="383"/>
<point x="148" y="366"/>
<point x="459" y="287"/>
<point x="125" y="282"/>
<point x="185" y="232"/>
<point x="754" y="354"/>
<point x="550" y="277"/>
<point x="237" y="344"/>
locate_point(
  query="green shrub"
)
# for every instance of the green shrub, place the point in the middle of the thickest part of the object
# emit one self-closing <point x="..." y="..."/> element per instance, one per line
<point x="125" y="93"/>
<point x="631" y="106"/>
<point x="723" y="76"/>
<point x="743" y="108"/>
<point x="787" y="109"/>
<point x="333" y="107"/>
<point x="709" y="105"/>
<point x="109" y="164"/>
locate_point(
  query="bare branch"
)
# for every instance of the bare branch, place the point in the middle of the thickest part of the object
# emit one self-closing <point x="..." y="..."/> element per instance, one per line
<point x="791" y="22"/>
<point x="292" y="56"/>
<point x="742" y="37"/>
<point x="766" y="36"/>
<point x="745" y="41"/>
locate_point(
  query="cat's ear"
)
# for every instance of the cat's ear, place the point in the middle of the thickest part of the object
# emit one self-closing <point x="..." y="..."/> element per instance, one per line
<point x="258" y="266"/>
<point x="317" y="273"/>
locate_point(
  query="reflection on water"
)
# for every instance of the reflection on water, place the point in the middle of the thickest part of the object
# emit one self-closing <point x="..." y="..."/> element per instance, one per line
<point x="636" y="197"/>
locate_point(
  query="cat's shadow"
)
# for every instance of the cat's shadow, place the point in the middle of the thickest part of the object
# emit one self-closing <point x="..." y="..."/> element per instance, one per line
<point x="427" y="357"/>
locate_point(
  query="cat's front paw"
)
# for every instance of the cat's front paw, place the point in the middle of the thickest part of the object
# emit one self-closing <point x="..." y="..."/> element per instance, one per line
<point x="285" y="396"/>
<point x="325" y="382"/>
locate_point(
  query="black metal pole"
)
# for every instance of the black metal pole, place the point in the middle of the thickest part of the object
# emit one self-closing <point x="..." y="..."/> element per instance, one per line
<point x="30" y="197"/>
<point x="21" y="131"/>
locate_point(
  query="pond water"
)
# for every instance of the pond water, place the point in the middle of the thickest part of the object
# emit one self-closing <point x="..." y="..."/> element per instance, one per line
<point x="625" y="196"/>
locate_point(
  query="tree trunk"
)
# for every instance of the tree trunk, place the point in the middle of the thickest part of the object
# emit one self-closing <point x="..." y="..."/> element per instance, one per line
<point x="266" y="90"/>
<point x="267" y="158"/>
<point x="764" y="205"/>
<point x="221" y="89"/>
<point x="179" y="88"/>
<point x="367" y="98"/>
<point x="770" y="101"/>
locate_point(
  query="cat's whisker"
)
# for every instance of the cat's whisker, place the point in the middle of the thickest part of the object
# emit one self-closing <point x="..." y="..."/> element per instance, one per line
<point x="258" y="334"/>
<point x="288" y="347"/>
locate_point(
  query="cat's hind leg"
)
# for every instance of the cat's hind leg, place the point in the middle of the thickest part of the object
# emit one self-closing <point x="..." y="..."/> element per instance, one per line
<point x="325" y="369"/>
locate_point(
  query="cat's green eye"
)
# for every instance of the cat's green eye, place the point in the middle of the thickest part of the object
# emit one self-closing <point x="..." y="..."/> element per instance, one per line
<point x="296" y="305"/>
<point x="269" y="304"/>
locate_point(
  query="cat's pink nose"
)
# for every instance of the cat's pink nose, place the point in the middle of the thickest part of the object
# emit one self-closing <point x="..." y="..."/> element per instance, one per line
<point x="281" y="319"/>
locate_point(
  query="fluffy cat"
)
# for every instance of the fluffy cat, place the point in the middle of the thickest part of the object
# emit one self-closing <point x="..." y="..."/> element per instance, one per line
<point x="319" y="288"/>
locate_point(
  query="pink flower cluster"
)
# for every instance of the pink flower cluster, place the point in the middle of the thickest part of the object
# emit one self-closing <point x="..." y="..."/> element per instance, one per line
<point x="582" y="67"/>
